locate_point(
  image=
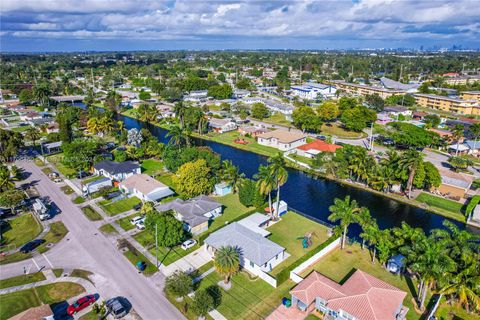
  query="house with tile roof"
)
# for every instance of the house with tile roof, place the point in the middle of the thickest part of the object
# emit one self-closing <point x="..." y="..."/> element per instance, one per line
<point x="145" y="188"/>
<point x="313" y="148"/>
<point x="361" y="297"/>
<point x="282" y="139"/>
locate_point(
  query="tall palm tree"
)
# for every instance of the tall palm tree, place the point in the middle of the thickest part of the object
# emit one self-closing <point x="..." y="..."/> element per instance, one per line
<point x="409" y="162"/>
<point x="371" y="234"/>
<point x="364" y="219"/>
<point x="231" y="174"/>
<point x="179" y="110"/>
<point x="227" y="262"/>
<point x="176" y="135"/>
<point x="265" y="184"/>
<point x="93" y="125"/>
<point x="345" y="211"/>
<point x="280" y="175"/>
<point x="6" y="180"/>
<point x="457" y="135"/>
<point x="474" y="132"/>
<point x="32" y="134"/>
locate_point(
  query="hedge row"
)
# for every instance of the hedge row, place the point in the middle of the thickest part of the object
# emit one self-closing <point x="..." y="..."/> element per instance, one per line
<point x="284" y="275"/>
<point x="472" y="204"/>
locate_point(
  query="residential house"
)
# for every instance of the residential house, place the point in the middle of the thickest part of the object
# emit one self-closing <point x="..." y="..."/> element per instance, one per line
<point x="310" y="150"/>
<point x="195" y="213"/>
<point x="361" y="297"/>
<point x="30" y="115"/>
<point x="397" y="111"/>
<point x="282" y="139"/>
<point x="196" y="96"/>
<point x="240" y="93"/>
<point x="51" y="148"/>
<point x="53" y="128"/>
<point x="454" y="185"/>
<point x="145" y="188"/>
<point x="221" y="125"/>
<point x="41" y="312"/>
<point x="258" y="255"/>
<point x="383" y="118"/>
<point x="117" y="171"/>
<point x="165" y="111"/>
<point x="251" y="130"/>
<point x="313" y="91"/>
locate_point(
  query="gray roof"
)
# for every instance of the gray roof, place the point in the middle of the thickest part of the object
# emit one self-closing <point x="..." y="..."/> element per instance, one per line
<point x="52" y="145"/>
<point x="472" y="144"/>
<point x="392" y="84"/>
<point x="113" y="167"/>
<point x="193" y="210"/>
<point x="252" y="245"/>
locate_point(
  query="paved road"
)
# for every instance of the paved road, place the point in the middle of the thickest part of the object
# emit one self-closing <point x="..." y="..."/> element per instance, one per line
<point x="85" y="247"/>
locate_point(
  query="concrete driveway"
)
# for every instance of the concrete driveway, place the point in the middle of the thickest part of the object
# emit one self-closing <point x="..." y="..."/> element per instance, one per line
<point x="189" y="263"/>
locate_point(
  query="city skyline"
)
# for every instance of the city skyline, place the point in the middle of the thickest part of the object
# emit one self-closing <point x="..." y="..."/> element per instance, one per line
<point x="44" y="26"/>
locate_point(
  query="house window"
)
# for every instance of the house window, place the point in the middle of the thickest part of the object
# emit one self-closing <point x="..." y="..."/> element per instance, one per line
<point x="252" y="264"/>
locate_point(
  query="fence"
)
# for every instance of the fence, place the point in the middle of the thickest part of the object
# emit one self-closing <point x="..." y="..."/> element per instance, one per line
<point x="268" y="279"/>
<point x="324" y="223"/>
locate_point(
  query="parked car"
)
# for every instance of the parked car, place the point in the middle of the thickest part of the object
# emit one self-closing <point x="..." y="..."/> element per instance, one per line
<point x="112" y="195"/>
<point x="135" y="220"/>
<point x="322" y="138"/>
<point x="30" y="246"/>
<point x="188" y="244"/>
<point x="115" y="307"/>
<point x="57" y="180"/>
<point x="140" y="225"/>
<point x="138" y="206"/>
<point x="81" y="304"/>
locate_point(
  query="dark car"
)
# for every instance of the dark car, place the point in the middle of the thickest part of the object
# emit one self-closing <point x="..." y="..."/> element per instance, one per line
<point x="30" y="246"/>
<point x="81" y="304"/>
<point x="138" y="206"/>
<point x="116" y="307"/>
<point x="322" y="138"/>
<point x="112" y="195"/>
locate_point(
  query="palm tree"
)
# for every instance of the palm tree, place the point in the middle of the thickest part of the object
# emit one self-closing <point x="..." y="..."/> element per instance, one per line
<point x="231" y="174"/>
<point x="474" y="132"/>
<point x="345" y="211"/>
<point x="93" y="125"/>
<point x="265" y="184"/>
<point x="146" y="207"/>
<point x="179" y="110"/>
<point x="457" y="135"/>
<point x="280" y="175"/>
<point x="227" y="262"/>
<point x="32" y="134"/>
<point x="364" y="219"/>
<point x="6" y="180"/>
<point x="371" y="234"/>
<point x="409" y="162"/>
<point x="177" y="136"/>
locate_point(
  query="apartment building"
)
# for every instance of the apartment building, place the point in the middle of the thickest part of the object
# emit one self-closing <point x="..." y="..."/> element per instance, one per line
<point x="471" y="95"/>
<point x="455" y="105"/>
<point x="363" y="89"/>
<point x="462" y="80"/>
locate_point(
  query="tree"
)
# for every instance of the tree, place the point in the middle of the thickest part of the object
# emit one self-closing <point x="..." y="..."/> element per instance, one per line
<point x="345" y="211"/>
<point x="259" y="111"/>
<point x="346" y="103"/>
<point x="193" y="179"/>
<point x="147" y="112"/>
<point x="460" y="163"/>
<point x="120" y="155"/>
<point x="279" y="174"/>
<point x="180" y="284"/>
<point x="249" y="194"/>
<point x="375" y="102"/>
<point x="79" y="154"/>
<point x="231" y="175"/>
<point x="457" y="135"/>
<point x="26" y="96"/>
<point x="6" y="179"/>
<point x="243" y="83"/>
<point x="411" y="136"/>
<point x="431" y="121"/>
<point x="474" y="132"/>
<point x="169" y="230"/>
<point x="433" y="179"/>
<point x="356" y="119"/>
<point x="220" y="92"/>
<point x="176" y="135"/>
<point x="227" y="262"/>
<point x="371" y="235"/>
<point x="144" y="95"/>
<point x="10" y="143"/>
<point x="112" y="100"/>
<point x="32" y="134"/>
<point x="328" y="111"/>
<point x="202" y="303"/>
<point x="306" y="119"/>
<point x="11" y="198"/>
<point x="409" y="162"/>
<point x="265" y="184"/>
<point x="462" y="286"/>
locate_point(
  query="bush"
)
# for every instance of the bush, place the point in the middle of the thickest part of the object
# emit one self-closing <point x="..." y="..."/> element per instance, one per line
<point x="202" y="303"/>
<point x="179" y="284"/>
<point x="249" y="195"/>
<point x="472" y="204"/>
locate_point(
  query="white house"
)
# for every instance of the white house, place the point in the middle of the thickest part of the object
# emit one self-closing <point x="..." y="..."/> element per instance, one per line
<point x="221" y="125"/>
<point x="282" y="139"/>
<point x="313" y="91"/>
<point x="118" y="171"/>
<point x="196" y="96"/>
<point x="145" y="188"/>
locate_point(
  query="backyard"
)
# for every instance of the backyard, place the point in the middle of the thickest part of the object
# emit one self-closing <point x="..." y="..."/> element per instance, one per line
<point x="449" y="207"/>
<point x="233" y="209"/>
<point x="289" y="233"/>
<point x="117" y="207"/>
<point x="18" y="231"/>
<point x="152" y="167"/>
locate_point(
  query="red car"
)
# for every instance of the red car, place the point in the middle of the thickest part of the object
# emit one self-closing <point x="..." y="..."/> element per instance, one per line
<point x="80" y="304"/>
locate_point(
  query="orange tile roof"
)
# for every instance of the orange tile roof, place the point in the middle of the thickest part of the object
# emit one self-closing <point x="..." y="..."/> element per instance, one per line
<point x="319" y="145"/>
<point x="362" y="295"/>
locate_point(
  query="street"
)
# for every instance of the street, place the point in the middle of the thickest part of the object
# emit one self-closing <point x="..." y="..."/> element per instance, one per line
<point x="85" y="247"/>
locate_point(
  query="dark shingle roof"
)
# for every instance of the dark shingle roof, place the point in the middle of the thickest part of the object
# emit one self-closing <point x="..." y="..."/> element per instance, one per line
<point x="116" y="167"/>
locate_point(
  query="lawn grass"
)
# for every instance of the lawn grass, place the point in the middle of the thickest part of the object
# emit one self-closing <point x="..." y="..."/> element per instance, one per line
<point x="56" y="160"/>
<point x="39" y="162"/>
<point x="108" y="229"/>
<point x="57" y="272"/>
<point x="335" y="130"/>
<point x="165" y="255"/>
<point x="454" y="312"/>
<point x="91" y="179"/>
<point x="278" y="118"/>
<point x="21" y="280"/>
<point x="125" y="223"/>
<point x="248" y="298"/>
<point x="79" y="273"/>
<point x="166" y="179"/>
<point x="114" y="208"/>
<point x="450" y="206"/>
<point x="286" y="233"/>
<point x="67" y="190"/>
<point x="54" y="235"/>
<point x="91" y="214"/>
<point x="152" y="167"/>
<point x="16" y="302"/>
<point x="79" y="200"/>
<point x="14" y="257"/>
<point x="20" y="230"/>
<point x="47" y="170"/>
<point x="306" y="160"/>
<point x="339" y="264"/>
<point x="232" y="209"/>
<point x="134" y="256"/>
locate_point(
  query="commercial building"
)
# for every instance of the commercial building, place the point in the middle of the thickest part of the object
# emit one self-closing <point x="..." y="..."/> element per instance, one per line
<point x="471" y="95"/>
<point x="455" y="105"/>
<point x="462" y="80"/>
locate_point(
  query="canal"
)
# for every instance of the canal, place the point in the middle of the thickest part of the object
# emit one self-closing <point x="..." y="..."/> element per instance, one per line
<point x="314" y="196"/>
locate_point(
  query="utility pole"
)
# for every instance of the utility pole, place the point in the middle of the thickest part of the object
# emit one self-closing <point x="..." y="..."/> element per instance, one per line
<point x="371" y="137"/>
<point x="156" y="244"/>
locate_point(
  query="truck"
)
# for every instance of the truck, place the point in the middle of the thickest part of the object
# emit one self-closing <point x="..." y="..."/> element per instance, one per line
<point x="41" y="209"/>
<point x="96" y="185"/>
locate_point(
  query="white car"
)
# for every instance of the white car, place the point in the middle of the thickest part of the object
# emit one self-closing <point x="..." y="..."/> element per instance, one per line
<point x="188" y="244"/>
<point x="140" y="225"/>
<point x="136" y="220"/>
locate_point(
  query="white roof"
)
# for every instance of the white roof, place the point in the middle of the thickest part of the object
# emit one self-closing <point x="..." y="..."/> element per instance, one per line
<point x="253" y="223"/>
<point x="461" y="147"/>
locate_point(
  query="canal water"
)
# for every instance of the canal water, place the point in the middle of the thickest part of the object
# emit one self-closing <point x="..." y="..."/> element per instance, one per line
<point x="314" y="196"/>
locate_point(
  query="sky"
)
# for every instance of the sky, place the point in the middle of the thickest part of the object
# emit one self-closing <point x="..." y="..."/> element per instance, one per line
<point x="128" y="25"/>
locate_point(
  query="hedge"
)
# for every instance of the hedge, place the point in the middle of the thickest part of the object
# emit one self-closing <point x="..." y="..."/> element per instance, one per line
<point x="284" y="275"/>
<point x="472" y="204"/>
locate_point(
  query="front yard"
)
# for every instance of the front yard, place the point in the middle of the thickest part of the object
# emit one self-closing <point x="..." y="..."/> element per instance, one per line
<point x="289" y="232"/>
<point x="117" y="207"/>
<point x="334" y="129"/>
<point x="56" y="160"/>
<point x="152" y="167"/>
<point x="18" y="231"/>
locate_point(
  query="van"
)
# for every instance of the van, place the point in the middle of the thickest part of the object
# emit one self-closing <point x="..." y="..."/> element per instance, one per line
<point x="116" y="308"/>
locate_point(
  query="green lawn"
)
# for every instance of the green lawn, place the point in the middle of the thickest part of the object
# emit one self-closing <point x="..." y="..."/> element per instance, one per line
<point x="20" y="230"/>
<point x="278" y="118"/>
<point x="108" y="229"/>
<point x="125" y="223"/>
<point x="16" y="302"/>
<point x="67" y="190"/>
<point x="56" y="160"/>
<point x="248" y="298"/>
<point x="134" y="256"/>
<point x="451" y="207"/>
<point x="114" y="208"/>
<point x="338" y="264"/>
<point x="91" y="179"/>
<point x="152" y="167"/>
<point x="21" y="280"/>
<point x="79" y="273"/>
<point x="47" y="170"/>
<point x="454" y="312"/>
<point x="286" y="233"/>
<point x="335" y="130"/>
<point x="56" y="233"/>
<point x="91" y="214"/>
<point x="79" y="200"/>
<point x="232" y="209"/>
<point x="166" y="179"/>
<point x="165" y="255"/>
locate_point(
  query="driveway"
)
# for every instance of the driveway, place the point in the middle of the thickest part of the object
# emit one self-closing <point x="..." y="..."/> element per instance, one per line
<point x="190" y="262"/>
<point x="87" y="248"/>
